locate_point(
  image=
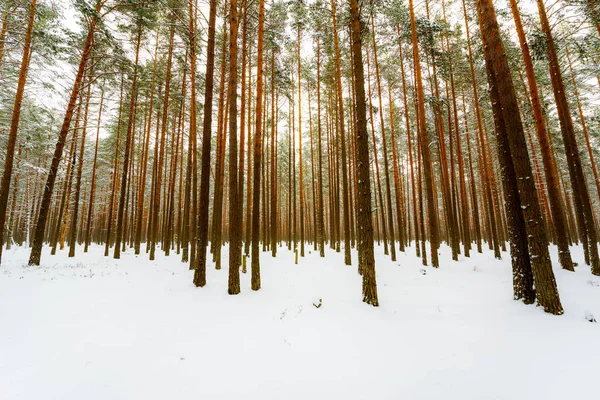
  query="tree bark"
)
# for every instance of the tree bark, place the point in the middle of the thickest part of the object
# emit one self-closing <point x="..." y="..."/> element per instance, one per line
<point x="255" y="279"/>
<point x="36" y="250"/>
<point x="505" y="102"/>
<point x="16" y="116"/>
<point x="365" y="248"/>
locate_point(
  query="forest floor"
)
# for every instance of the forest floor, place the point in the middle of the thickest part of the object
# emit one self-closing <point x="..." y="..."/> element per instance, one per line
<point x="92" y="327"/>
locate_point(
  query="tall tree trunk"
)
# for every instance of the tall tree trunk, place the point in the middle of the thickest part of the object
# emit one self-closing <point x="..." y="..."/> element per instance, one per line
<point x="128" y="140"/>
<point x="582" y="197"/>
<point x="199" y="264"/>
<point x="274" y="98"/>
<point x="244" y="8"/>
<point x="36" y="250"/>
<point x="320" y="219"/>
<point x="586" y="134"/>
<point x="144" y="161"/>
<point x="3" y="32"/>
<point x="472" y="182"/>
<point x="409" y="140"/>
<point x="255" y="280"/>
<point x="153" y="237"/>
<point x="16" y="116"/>
<point x="425" y="152"/>
<point x="493" y="241"/>
<point x="557" y="208"/>
<point x="344" y="158"/>
<point x="504" y="101"/>
<point x="73" y="232"/>
<point x="235" y="234"/>
<point x="115" y="175"/>
<point x="300" y="144"/>
<point x="388" y="190"/>
<point x="397" y="183"/>
<point x="217" y="219"/>
<point x="88" y="228"/>
<point x="366" y="259"/>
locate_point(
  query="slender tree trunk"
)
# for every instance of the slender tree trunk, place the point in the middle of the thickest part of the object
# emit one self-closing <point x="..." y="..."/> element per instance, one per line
<point x="472" y="183"/>
<point x="244" y="8"/>
<point x="36" y="251"/>
<point x="388" y="189"/>
<point x="255" y="280"/>
<point x="557" y="208"/>
<point x="3" y="32"/>
<point x="73" y="232"/>
<point x="217" y="219"/>
<point x="144" y="161"/>
<point x="425" y="152"/>
<point x="88" y="228"/>
<point x="409" y="140"/>
<point x="493" y="242"/>
<point x="320" y="218"/>
<point x="16" y="116"/>
<point x="582" y="197"/>
<point x="128" y="140"/>
<point x="274" y="98"/>
<point x="153" y="237"/>
<point x="235" y="234"/>
<point x="584" y="126"/>
<point x="344" y="158"/>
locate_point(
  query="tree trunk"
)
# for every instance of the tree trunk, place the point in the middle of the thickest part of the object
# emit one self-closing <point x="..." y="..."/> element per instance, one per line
<point x="507" y="112"/>
<point x="144" y="161"/>
<point x="388" y="190"/>
<point x="36" y="251"/>
<point x="16" y="116"/>
<point x="255" y="280"/>
<point x="73" y="232"/>
<point x="128" y="140"/>
<point x="557" y="208"/>
<point x="235" y="234"/>
<point x="365" y="223"/>
<point x="88" y="228"/>
<point x="582" y="197"/>
<point x="425" y="152"/>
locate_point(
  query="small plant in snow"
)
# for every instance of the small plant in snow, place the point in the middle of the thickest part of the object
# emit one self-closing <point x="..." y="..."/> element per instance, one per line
<point x="317" y="303"/>
<point x="589" y="316"/>
<point x="593" y="283"/>
<point x="423" y="271"/>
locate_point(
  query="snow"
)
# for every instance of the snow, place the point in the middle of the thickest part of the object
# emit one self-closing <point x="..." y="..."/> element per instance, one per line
<point x="97" y="328"/>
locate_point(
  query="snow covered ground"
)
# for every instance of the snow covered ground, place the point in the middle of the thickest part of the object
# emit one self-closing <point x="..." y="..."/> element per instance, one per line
<point x="97" y="328"/>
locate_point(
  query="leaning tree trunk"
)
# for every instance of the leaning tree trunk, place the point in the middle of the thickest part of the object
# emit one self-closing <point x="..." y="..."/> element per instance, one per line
<point x="556" y="204"/>
<point x="582" y="196"/>
<point x="38" y="240"/>
<point x="506" y="104"/>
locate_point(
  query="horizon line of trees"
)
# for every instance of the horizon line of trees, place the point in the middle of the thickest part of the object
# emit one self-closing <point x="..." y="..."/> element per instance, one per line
<point x="307" y="125"/>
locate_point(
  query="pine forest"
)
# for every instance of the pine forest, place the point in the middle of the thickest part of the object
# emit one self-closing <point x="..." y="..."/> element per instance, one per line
<point x="437" y="159"/>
